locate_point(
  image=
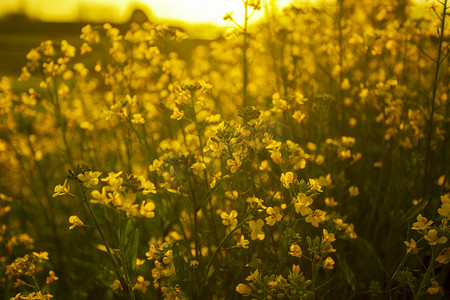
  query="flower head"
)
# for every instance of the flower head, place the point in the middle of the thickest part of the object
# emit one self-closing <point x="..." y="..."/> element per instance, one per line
<point x="75" y="221"/>
<point x="287" y="179"/>
<point x="256" y="228"/>
<point x="61" y="189"/>
<point x="89" y="178"/>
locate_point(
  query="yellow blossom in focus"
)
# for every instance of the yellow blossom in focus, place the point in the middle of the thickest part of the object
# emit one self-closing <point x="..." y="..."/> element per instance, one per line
<point x="75" y="221"/>
<point x="318" y="216"/>
<point x="287" y="179"/>
<point x="295" y="250"/>
<point x="243" y="289"/>
<point x="328" y="263"/>
<point x="274" y="216"/>
<point x="422" y="223"/>
<point x="412" y="247"/>
<point x="302" y="203"/>
<point x="61" y="189"/>
<point x="433" y="238"/>
<point x="147" y="209"/>
<point x="89" y="178"/>
<point x="315" y="186"/>
<point x="229" y="219"/>
<point x="243" y="243"/>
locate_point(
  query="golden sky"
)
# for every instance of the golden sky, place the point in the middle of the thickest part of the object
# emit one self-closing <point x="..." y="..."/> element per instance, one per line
<point x="190" y="11"/>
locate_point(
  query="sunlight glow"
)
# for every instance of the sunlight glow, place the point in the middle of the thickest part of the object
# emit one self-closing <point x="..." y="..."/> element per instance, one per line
<point x="192" y="11"/>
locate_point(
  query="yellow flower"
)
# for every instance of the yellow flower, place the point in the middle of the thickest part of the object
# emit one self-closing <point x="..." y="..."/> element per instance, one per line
<point x="434" y="288"/>
<point x="229" y="219"/>
<point x="243" y="289"/>
<point x="301" y="203"/>
<point x="318" y="216"/>
<point x="51" y="277"/>
<point x="101" y="198"/>
<point x="214" y="179"/>
<point x="147" y="209"/>
<point x="287" y="179"/>
<point x="141" y="284"/>
<point x="147" y="185"/>
<point x="253" y="276"/>
<point x="433" y="239"/>
<point x="328" y="263"/>
<point x="234" y="164"/>
<point x="274" y="216"/>
<point x="330" y="202"/>
<point x="315" y="186"/>
<point x="243" y="243"/>
<point x="256" y="228"/>
<point x="61" y="189"/>
<point x="353" y="191"/>
<point x="138" y="119"/>
<point x="422" y="223"/>
<point x="295" y="250"/>
<point x="412" y="247"/>
<point x="444" y="257"/>
<point x="41" y="255"/>
<point x="89" y="178"/>
<point x="75" y="221"/>
<point x="177" y="114"/>
<point x="444" y="210"/>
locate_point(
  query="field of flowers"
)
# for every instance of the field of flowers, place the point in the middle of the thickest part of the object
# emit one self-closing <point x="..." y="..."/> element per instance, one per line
<point x="307" y="157"/>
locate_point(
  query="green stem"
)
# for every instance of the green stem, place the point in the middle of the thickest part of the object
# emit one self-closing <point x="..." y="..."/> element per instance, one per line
<point x="426" y="276"/>
<point x="433" y="100"/>
<point x="127" y="289"/>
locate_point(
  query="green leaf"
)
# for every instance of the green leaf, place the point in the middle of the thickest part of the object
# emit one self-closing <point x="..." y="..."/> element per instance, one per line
<point x="183" y="275"/>
<point x="348" y="272"/>
<point x="131" y="247"/>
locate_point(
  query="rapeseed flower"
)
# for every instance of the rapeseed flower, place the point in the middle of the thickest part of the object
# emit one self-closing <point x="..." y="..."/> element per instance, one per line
<point x="412" y="247"/>
<point x="318" y="216"/>
<point x="444" y="256"/>
<point x="256" y="230"/>
<point x="75" y="221"/>
<point x="229" y="219"/>
<point x="295" y="250"/>
<point x="328" y="263"/>
<point x="243" y="289"/>
<point x="89" y="178"/>
<point x="61" y="189"/>
<point x="243" y="243"/>
<point x="287" y="179"/>
<point x="433" y="238"/>
<point x="422" y="223"/>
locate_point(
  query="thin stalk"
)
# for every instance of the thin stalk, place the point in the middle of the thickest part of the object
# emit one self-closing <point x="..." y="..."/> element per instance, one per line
<point x="428" y="271"/>
<point x="244" y="57"/>
<point x="128" y="291"/>
<point x="433" y="100"/>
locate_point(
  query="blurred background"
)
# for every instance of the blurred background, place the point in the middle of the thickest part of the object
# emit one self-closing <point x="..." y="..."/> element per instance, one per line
<point x="25" y="23"/>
